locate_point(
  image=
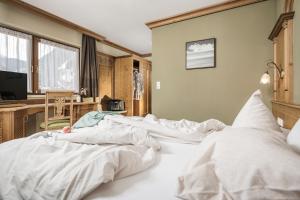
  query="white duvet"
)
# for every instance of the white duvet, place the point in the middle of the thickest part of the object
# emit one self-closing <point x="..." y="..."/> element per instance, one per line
<point x="180" y="131"/>
<point x="57" y="166"/>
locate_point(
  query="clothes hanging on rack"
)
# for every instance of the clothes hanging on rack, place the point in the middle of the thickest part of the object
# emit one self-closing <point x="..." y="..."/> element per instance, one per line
<point x="138" y="85"/>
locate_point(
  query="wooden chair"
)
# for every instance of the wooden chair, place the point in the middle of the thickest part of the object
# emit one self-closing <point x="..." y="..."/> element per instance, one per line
<point x="59" y="119"/>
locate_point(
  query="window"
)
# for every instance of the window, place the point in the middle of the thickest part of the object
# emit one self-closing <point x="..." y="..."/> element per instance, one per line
<point x="49" y="65"/>
<point x="58" y="66"/>
<point x="16" y="53"/>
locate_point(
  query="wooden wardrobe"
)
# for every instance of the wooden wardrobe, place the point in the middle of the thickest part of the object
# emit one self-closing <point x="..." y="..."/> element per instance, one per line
<point x="124" y="85"/>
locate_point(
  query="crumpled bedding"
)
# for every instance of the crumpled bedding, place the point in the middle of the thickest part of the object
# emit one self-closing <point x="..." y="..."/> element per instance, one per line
<point x="43" y="167"/>
<point x="184" y="131"/>
<point x="52" y="165"/>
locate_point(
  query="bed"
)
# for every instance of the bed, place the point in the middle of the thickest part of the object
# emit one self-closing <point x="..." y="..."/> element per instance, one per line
<point x="248" y="160"/>
<point x="53" y="165"/>
<point x="124" y="158"/>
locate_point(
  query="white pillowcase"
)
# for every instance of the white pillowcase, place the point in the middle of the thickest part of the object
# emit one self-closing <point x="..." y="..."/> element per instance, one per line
<point x="293" y="138"/>
<point x="242" y="163"/>
<point x="255" y="114"/>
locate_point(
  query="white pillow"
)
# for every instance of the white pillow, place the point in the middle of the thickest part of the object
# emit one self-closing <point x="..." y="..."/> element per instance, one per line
<point x="242" y="163"/>
<point x="255" y="114"/>
<point x="293" y="138"/>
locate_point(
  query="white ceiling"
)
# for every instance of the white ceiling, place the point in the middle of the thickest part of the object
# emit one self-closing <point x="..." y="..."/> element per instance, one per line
<point x="120" y="21"/>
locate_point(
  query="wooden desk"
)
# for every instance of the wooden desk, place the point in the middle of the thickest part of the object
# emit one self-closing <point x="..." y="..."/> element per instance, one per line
<point x="14" y="120"/>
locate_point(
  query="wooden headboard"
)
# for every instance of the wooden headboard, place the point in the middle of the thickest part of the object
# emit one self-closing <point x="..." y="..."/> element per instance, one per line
<point x="283" y="88"/>
<point x="289" y="113"/>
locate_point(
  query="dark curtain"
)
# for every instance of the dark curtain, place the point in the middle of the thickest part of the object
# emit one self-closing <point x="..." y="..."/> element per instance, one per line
<point x="89" y="69"/>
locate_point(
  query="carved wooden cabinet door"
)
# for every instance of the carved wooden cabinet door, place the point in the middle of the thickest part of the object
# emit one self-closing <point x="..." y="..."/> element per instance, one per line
<point x="20" y="118"/>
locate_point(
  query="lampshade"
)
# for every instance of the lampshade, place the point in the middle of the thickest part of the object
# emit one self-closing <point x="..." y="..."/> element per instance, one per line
<point x="265" y="79"/>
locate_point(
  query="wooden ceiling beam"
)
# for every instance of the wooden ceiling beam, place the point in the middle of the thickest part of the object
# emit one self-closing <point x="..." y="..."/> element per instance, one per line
<point x="201" y="12"/>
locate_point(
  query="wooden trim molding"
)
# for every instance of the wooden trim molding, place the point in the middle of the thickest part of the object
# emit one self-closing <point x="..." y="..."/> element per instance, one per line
<point x="114" y="45"/>
<point x="146" y="55"/>
<point x="55" y="18"/>
<point x="279" y="24"/>
<point x="201" y="12"/>
<point x="68" y="24"/>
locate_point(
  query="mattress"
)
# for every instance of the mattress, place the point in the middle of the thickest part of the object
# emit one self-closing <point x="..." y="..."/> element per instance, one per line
<point x="158" y="182"/>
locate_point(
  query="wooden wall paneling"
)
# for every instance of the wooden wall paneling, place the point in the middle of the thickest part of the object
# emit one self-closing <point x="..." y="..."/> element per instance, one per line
<point x="106" y="66"/>
<point x="280" y="62"/>
<point x="105" y="81"/>
<point x="288" y="60"/>
<point x="282" y="37"/>
<point x="123" y="82"/>
<point x="275" y="75"/>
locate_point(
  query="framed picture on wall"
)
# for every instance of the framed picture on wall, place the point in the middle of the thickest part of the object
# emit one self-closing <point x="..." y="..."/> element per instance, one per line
<point x="200" y="54"/>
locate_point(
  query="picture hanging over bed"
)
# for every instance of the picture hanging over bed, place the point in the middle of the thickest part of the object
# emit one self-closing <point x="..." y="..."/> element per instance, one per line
<point x="201" y="54"/>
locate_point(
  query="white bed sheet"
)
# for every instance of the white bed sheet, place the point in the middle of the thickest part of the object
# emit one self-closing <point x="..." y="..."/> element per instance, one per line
<point x="159" y="182"/>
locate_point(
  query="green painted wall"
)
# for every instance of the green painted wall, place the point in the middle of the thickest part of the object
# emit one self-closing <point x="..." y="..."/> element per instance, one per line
<point x="242" y="52"/>
<point x="279" y="7"/>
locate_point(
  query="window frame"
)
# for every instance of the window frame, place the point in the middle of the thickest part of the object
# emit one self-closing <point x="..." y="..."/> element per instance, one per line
<point x="35" y="60"/>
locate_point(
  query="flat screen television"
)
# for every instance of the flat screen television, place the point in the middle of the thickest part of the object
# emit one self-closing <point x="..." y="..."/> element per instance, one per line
<point x="13" y="86"/>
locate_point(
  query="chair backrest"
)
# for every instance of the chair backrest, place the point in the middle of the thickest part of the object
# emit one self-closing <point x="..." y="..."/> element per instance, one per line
<point x="59" y="106"/>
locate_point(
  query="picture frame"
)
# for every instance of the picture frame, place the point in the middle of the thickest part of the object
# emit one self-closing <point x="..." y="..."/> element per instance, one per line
<point x="200" y="54"/>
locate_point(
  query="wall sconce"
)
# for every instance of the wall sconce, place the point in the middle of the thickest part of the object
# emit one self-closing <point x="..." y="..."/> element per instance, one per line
<point x="266" y="79"/>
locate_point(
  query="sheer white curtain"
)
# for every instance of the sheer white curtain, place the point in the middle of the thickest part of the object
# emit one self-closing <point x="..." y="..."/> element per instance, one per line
<point x="16" y="53"/>
<point x="58" y="66"/>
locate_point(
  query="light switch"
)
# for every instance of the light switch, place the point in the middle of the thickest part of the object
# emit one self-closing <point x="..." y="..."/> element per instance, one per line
<point x="158" y="85"/>
<point x="280" y="121"/>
